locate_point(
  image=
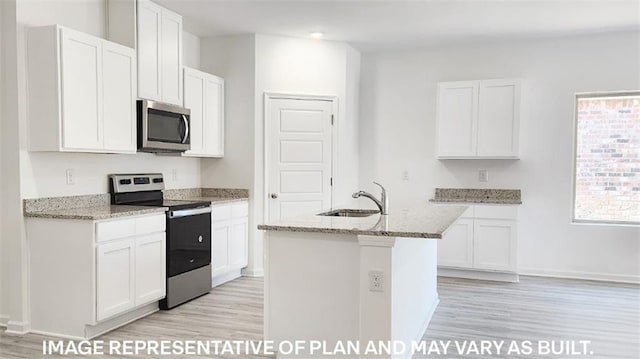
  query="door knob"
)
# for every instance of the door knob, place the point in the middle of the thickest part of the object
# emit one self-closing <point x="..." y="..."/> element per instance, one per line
<point x="274" y="195"/>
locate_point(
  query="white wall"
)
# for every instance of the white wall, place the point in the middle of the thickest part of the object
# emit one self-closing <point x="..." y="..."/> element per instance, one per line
<point x="398" y="97"/>
<point x="3" y="316"/>
<point x="14" y="289"/>
<point x="233" y="58"/>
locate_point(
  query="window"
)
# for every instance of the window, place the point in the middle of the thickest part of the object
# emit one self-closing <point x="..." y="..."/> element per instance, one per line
<point x="607" y="163"/>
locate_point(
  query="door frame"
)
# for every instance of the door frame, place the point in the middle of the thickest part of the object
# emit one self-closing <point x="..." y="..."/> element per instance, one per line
<point x="267" y="140"/>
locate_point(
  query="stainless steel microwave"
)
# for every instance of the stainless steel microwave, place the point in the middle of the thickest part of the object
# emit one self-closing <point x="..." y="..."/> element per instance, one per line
<point x="163" y="127"/>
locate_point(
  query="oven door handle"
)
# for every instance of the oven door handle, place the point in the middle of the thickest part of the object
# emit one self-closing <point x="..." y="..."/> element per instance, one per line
<point x="186" y="128"/>
<point x="189" y="212"/>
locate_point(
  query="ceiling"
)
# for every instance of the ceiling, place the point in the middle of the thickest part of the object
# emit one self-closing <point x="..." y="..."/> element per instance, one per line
<point x="396" y="24"/>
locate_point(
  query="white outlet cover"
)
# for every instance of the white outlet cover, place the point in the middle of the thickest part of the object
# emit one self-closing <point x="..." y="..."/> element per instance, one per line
<point x="71" y="176"/>
<point x="483" y="175"/>
<point x="376" y="281"/>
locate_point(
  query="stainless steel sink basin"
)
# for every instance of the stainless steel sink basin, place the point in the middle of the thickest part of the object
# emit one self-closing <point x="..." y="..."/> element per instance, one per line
<point x="350" y="213"/>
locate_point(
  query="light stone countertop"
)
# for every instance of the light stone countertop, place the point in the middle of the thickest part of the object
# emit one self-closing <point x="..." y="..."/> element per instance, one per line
<point x="96" y="212"/>
<point x="476" y="196"/>
<point x="420" y="221"/>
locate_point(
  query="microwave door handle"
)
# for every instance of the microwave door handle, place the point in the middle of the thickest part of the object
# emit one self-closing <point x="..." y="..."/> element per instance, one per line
<point x="186" y="128"/>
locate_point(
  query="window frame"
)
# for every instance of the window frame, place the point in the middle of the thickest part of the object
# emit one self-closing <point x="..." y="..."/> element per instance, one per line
<point x="577" y="96"/>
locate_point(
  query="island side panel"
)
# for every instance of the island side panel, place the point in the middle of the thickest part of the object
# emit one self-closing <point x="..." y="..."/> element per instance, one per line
<point x="414" y="288"/>
<point x="311" y="286"/>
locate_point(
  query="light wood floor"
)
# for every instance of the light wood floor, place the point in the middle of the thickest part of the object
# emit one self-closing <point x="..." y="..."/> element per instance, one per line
<point x="534" y="309"/>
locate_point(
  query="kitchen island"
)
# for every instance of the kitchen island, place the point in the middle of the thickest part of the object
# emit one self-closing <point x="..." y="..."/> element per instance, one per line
<point x="353" y="279"/>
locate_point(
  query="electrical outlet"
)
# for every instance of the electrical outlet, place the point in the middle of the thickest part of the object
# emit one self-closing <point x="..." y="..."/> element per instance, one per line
<point x="174" y="174"/>
<point x="376" y="280"/>
<point x="483" y="175"/>
<point x="71" y="176"/>
<point x="405" y="175"/>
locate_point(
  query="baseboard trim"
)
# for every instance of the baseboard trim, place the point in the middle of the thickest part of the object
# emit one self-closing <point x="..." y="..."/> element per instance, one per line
<point x="17" y="328"/>
<point x="425" y="325"/>
<point x="224" y="278"/>
<point x="478" y="274"/>
<point x="601" y="277"/>
<point x="253" y="272"/>
<point x="4" y="319"/>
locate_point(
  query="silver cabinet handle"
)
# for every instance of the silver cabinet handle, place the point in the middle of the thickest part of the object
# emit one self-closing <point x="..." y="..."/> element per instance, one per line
<point x="186" y="128"/>
<point x="274" y="195"/>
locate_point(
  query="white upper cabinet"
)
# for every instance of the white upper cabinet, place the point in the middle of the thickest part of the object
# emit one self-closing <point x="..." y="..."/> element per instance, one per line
<point x="149" y="48"/>
<point x="478" y="119"/>
<point x="457" y="118"/>
<point x="159" y="46"/>
<point x="81" y="92"/>
<point x="119" y="94"/>
<point x="204" y="96"/>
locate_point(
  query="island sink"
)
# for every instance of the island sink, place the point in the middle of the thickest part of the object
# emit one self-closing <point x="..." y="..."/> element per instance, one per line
<point x="346" y="212"/>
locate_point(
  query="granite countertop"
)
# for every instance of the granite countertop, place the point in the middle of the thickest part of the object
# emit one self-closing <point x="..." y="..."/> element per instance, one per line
<point x="475" y="195"/>
<point x="96" y="212"/>
<point x="420" y="221"/>
<point x="213" y="195"/>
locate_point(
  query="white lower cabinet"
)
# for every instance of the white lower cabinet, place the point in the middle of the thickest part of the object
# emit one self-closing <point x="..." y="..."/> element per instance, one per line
<point x="115" y="278"/>
<point x="229" y="240"/>
<point x="456" y="249"/>
<point x="481" y="244"/>
<point x="97" y="275"/>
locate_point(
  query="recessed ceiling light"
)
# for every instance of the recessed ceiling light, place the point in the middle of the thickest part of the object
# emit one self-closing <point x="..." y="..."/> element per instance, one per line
<point x="317" y="35"/>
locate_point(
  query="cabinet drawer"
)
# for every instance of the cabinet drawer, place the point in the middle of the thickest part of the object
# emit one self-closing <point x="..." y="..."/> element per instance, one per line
<point x="122" y="228"/>
<point x="240" y="209"/>
<point x="221" y="212"/>
<point x="151" y="224"/>
<point x="496" y="212"/>
<point x="115" y="229"/>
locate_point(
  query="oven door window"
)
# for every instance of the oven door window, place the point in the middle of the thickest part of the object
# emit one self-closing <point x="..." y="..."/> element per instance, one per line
<point x="167" y="127"/>
<point x="188" y="243"/>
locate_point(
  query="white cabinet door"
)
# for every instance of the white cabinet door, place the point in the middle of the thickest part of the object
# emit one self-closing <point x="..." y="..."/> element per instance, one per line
<point x="150" y="268"/>
<point x="194" y="99"/>
<point x="115" y="281"/>
<point x="238" y="242"/>
<point x="498" y="119"/>
<point x="220" y="236"/>
<point x="495" y="245"/>
<point x="214" y="116"/>
<point x="455" y="249"/>
<point x="457" y="118"/>
<point x="171" y="57"/>
<point x="81" y="75"/>
<point x="149" y="50"/>
<point x="119" y="98"/>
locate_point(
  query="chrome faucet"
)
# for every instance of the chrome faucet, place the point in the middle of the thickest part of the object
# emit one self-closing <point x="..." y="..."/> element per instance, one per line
<point x="382" y="203"/>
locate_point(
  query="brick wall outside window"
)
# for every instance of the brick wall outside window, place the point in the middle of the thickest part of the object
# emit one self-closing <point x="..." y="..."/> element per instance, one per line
<point x="608" y="159"/>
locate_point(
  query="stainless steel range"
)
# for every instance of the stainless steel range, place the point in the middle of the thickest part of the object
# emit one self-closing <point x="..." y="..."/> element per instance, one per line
<point x="188" y="234"/>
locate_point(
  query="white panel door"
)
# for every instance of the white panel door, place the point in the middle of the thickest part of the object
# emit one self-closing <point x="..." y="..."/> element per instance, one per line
<point x="115" y="278"/>
<point x="457" y="118"/>
<point x="220" y="236"/>
<point x="171" y="57"/>
<point x="119" y="97"/>
<point x="149" y="48"/>
<point x="494" y="245"/>
<point x="81" y="90"/>
<point x="150" y="270"/>
<point x="498" y="118"/>
<point x="455" y="249"/>
<point x="238" y="242"/>
<point x="299" y="156"/>
<point x="194" y="100"/>
<point x="214" y="116"/>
